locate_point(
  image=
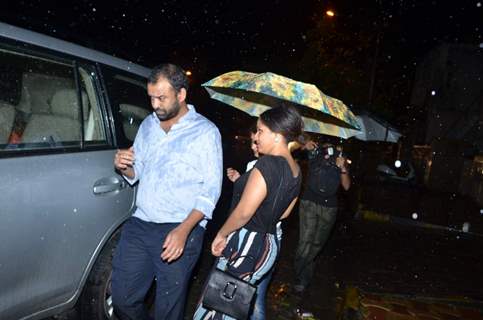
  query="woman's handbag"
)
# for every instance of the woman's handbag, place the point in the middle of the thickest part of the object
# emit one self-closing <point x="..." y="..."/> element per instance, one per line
<point x="228" y="294"/>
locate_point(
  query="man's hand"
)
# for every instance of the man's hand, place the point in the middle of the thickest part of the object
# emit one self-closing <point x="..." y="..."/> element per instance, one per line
<point x="124" y="159"/>
<point x="174" y="243"/>
<point x="340" y="162"/>
<point x="218" y="245"/>
<point x="232" y="174"/>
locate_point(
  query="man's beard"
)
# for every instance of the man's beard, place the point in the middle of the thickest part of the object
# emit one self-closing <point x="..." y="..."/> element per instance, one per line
<point x="169" y="113"/>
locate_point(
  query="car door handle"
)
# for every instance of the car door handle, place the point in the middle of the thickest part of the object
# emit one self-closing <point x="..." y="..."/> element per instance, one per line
<point x="108" y="184"/>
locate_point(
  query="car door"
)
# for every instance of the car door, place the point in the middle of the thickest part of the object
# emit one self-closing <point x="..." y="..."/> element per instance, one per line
<point x="60" y="197"/>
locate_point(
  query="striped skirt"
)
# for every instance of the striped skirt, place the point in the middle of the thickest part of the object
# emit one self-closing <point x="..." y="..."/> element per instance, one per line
<point x="251" y="255"/>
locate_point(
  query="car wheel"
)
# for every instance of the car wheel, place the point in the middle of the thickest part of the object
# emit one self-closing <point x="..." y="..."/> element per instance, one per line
<point x="95" y="302"/>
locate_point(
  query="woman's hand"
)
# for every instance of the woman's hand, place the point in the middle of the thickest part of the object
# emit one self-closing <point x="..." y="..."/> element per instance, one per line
<point x="232" y="174"/>
<point x="218" y="245"/>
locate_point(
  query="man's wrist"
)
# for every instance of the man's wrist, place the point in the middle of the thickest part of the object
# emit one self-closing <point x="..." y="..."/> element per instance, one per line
<point x="128" y="172"/>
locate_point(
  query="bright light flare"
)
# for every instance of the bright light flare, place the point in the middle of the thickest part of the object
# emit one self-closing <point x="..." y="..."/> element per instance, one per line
<point x="330" y="13"/>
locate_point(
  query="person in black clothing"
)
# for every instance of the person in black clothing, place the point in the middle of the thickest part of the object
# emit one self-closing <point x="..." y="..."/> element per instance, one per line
<point x="327" y="170"/>
<point x="261" y="197"/>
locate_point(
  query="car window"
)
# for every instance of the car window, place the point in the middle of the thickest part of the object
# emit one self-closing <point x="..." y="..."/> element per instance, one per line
<point x="130" y="103"/>
<point x="40" y="105"/>
<point x="94" y="130"/>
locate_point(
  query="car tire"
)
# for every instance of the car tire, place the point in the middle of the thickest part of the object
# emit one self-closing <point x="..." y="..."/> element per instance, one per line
<point x="95" y="302"/>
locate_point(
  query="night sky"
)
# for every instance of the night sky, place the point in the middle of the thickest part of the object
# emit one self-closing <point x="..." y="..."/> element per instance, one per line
<point x="212" y="37"/>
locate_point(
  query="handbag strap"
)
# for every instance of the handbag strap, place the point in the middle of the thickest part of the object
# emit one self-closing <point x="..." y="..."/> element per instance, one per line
<point x="231" y="261"/>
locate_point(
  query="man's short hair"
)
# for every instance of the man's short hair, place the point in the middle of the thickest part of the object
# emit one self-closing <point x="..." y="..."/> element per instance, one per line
<point x="171" y="72"/>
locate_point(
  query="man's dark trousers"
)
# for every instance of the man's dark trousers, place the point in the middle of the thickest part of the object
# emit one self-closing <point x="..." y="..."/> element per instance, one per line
<point x="316" y="222"/>
<point x="137" y="262"/>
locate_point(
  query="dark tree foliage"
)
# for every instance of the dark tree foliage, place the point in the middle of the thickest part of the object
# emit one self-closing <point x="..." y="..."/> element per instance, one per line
<point x="356" y="57"/>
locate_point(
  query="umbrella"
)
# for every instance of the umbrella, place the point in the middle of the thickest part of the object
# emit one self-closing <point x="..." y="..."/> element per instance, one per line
<point x="254" y="93"/>
<point x="375" y="129"/>
<point x="371" y="129"/>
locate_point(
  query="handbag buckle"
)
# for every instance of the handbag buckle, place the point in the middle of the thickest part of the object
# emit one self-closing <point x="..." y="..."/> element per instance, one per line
<point x="229" y="290"/>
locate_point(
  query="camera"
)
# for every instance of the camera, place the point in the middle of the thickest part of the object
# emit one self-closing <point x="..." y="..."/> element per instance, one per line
<point x="329" y="150"/>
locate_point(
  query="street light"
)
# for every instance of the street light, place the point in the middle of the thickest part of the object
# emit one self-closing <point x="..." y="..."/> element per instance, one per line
<point x="379" y="35"/>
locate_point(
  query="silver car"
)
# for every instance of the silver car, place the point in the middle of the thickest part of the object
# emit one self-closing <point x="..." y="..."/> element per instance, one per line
<point x="64" y="110"/>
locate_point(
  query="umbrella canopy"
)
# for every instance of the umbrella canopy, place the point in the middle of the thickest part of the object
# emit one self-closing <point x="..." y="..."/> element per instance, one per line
<point x="374" y="129"/>
<point x="317" y="126"/>
<point x="371" y="129"/>
<point x="254" y="93"/>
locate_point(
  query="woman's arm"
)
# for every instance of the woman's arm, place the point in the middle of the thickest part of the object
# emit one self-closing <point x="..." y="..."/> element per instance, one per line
<point x="253" y="194"/>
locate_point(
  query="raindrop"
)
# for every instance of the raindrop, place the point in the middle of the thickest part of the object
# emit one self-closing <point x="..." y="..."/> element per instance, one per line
<point x="94" y="9"/>
<point x="42" y="238"/>
<point x="433" y="93"/>
<point x="478" y="4"/>
<point x="75" y="210"/>
<point x="414" y="216"/>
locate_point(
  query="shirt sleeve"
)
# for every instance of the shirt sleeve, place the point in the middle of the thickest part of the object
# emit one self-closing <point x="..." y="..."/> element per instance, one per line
<point x="211" y="168"/>
<point x="250" y="165"/>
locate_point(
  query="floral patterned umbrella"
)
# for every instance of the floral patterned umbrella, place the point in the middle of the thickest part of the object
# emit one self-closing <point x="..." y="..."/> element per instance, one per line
<point x="254" y="93"/>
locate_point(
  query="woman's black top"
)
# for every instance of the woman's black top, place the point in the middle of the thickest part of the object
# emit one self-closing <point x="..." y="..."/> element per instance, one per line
<point x="282" y="188"/>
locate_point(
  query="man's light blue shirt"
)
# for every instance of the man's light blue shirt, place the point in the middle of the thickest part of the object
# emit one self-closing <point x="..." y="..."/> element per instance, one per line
<point x="177" y="171"/>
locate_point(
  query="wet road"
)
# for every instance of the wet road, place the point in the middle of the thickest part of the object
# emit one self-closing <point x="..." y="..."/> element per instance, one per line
<point x="373" y="256"/>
